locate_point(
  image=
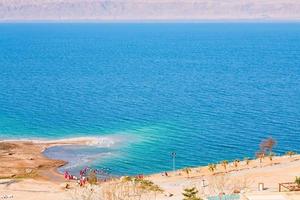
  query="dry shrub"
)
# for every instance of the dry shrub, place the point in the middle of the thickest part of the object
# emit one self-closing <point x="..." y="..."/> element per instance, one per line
<point x="217" y="184"/>
<point x="239" y="184"/>
<point x="267" y="145"/>
<point x="90" y="192"/>
<point x="128" y="189"/>
<point x="92" y="178"/>
<point x="228" y="184"/>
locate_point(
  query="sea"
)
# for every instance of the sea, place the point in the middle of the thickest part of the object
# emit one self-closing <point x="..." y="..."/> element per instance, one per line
<point x="206" y="91"/>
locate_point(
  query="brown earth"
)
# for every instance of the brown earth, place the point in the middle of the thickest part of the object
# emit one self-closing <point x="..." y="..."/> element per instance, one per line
<point x="26" y="160"/>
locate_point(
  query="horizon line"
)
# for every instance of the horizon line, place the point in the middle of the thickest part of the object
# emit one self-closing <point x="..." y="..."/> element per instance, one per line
<point x="153" y="21"/>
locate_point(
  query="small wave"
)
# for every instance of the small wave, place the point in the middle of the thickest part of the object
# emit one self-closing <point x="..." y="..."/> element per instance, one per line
<point x="102" y="141"/>
<point x="79" y="156"/>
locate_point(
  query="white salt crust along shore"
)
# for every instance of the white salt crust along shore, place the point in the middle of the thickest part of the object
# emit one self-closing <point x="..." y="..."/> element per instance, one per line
<point x="27" y="174"/>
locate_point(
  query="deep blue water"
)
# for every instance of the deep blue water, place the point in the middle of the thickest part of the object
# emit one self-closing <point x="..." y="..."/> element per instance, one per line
<point x="207" y="91"/>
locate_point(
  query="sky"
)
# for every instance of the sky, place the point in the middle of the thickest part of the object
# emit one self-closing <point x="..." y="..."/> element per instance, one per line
<point x="149" y="10"/>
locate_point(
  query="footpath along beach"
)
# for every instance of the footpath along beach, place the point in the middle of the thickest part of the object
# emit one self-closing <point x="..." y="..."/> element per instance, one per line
<point x="27" y="174"/>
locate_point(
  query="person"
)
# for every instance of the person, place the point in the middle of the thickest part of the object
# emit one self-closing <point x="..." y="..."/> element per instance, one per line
<point x="66" y="175"/>
<point x="166" y="174"/>
<point x="82" y="181"/>
<point x="140" y="176"/>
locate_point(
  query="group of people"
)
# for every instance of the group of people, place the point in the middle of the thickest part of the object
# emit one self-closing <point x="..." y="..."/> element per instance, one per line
<point x="82" y="180"/>
<point x="83" y="175"/>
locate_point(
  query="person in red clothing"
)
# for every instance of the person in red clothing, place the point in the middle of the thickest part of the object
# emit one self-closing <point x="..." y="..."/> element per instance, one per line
<point x="66" y="175"/>
<point x="82" y="181"/>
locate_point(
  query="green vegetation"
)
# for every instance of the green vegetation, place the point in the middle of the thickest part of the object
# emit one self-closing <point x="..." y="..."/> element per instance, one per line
<point x="290" y="153"/>
<point x="297" y="181"/>
<point x="127" y="179"/>
<point x="191" y="194"/>
<point x="247" y="160"/>
<point x="92" y="178"/>
<point x="271" y="155"/>
<point x="236" y="163"/>
<point x="212" y="167"/>
<point x="224" y="163"/>
<point x="187" y="170"/>
<point x="148" y="185"/>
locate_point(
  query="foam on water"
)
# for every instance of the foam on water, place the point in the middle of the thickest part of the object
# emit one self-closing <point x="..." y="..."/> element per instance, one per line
<point x="77" y="156"/>
<point x="82" y="155"/>
<point x="207" y="91"/>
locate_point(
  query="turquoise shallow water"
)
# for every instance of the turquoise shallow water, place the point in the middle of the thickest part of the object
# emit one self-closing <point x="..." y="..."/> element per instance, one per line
<point x="207" y="91"/>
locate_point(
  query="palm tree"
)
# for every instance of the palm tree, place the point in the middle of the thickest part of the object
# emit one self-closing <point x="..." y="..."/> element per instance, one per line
<point x="187" y="170"/>
<point x="271" y="155"/>
<point x="236" y="163"/>
<point x="290" y="153"/>
<point x="224" y="163"/>
<point x="212" y="167"/>
<point x="247" y="160"/>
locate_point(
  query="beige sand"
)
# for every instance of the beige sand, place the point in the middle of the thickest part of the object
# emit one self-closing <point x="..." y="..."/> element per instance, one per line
<point x="244" y="178"/>
<point x="26" y="174"/>
<point x="25" y="159"/>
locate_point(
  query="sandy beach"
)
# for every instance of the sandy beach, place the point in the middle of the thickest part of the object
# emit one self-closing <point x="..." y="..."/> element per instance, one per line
<point x="25" y="159"/>
<point x="149" y="100"/>
<point x="25" y="173"/>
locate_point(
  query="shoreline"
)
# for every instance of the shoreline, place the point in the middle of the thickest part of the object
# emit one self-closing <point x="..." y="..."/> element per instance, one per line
<point x="25" y="158"/>
<point x="23" y="148"/>
<point x="23" y="163"/>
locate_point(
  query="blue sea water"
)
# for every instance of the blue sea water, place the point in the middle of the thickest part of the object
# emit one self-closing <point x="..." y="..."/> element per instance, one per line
<point x="207" y="91"/>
